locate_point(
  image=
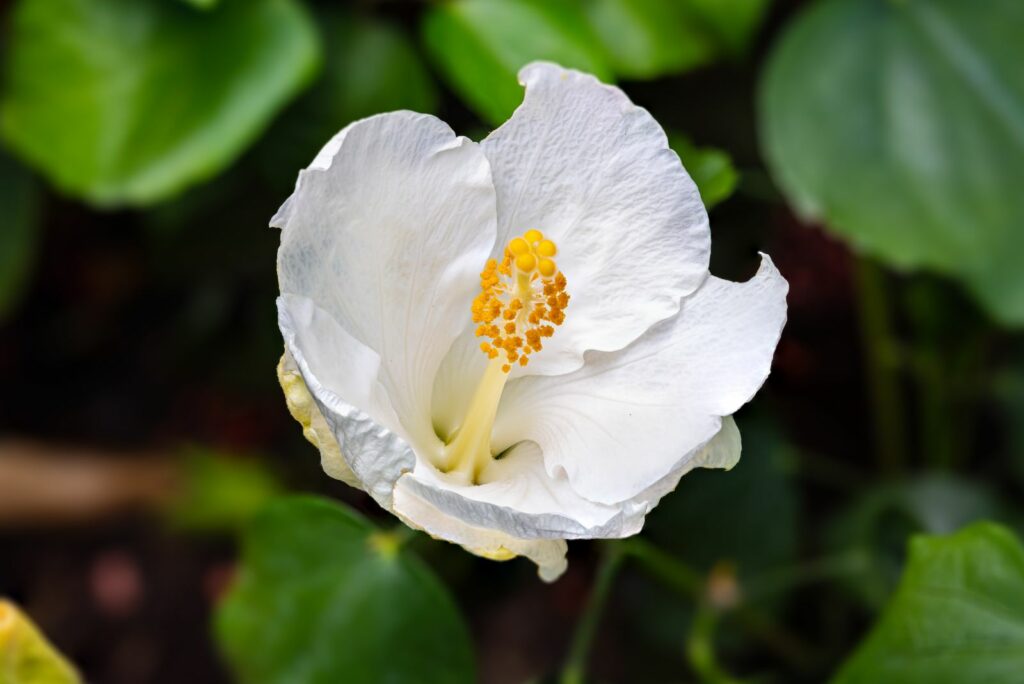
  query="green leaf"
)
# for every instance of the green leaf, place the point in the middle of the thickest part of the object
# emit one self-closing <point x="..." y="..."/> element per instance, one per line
<point x="480" y="45"/>
<point x="202" y="4"/>
<point x="129" y="102"/>
<point x="221" y="492"/>
<point x="374" y="68"/>
<point x="651" y="38"/>
<point x="733" y="22"/>
<point x="370" y="66"/>
<point x="710" y="168"/>
<point x="957" y="617"/>
<point x="323" y="597"/>
<point x="18" y="238"/>
<point x="901" y="125"/>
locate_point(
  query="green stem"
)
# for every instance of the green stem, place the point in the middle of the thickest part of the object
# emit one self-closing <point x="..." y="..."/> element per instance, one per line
<point x="700" y="648"/>
<point x="690" y="583"/>
<point x="880" y="356"/>
<point x="850" y="564"/>
<point x="586" y="628"/>
<point x="666" y="567"/>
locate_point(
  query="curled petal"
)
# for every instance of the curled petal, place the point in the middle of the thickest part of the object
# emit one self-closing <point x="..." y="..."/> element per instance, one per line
<point x="519" y="498"/>
<point x="723" y="451"/>
<point x="314" y="428"/>
<point x="627" y="419"/>
<point x="340" y="374"/>
<point x="548" y="554"/>
<point x="592" y="171"/>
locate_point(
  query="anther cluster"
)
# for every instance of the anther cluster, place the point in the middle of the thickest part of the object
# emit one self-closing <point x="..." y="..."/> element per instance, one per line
<point x="522" y="298"/>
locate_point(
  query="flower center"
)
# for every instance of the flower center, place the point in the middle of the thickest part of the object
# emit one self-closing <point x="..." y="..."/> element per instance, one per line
<point x="522" y="299"/>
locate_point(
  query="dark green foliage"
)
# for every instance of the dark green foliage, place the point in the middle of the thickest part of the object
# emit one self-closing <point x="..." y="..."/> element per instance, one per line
<point x="324" y="597"/>
<point x="957" y="617"/>
<point x="128" y="103"/>
<point x="901" y="126"/>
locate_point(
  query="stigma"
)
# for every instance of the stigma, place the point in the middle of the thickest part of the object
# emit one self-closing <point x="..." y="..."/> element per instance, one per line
<point x="522" y="299"/>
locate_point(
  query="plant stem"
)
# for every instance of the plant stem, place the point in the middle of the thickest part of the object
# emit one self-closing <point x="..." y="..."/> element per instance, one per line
<point x="700" y="647"/>
<point x="690" y="583"/>
<point x="849" y="564"/>
<point x="880" y="352"/>
<point x="586" y="628"/>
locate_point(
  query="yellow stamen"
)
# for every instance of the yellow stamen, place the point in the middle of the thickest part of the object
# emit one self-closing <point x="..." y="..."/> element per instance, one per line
<point x="522" y="298"/>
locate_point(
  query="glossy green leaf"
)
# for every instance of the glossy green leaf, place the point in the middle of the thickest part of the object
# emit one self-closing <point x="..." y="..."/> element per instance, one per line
<point x="129" y="102"/>
<point x="18" y="226"/>
<point x="480" y="45"/>
<point x="901" y="126"/>
<point x="651" y="38"/>
<point x="710" y="168"/>
<point x="957" y="617"/>
<point x="324" y="597"/>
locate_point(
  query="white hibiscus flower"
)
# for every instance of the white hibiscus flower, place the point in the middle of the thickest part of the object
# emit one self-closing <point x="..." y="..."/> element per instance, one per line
<point x="514" y="343"/>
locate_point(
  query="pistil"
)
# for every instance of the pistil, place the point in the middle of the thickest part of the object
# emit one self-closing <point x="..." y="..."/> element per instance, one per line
<point x="522" y="298"/>
<point x="469" y="451"/>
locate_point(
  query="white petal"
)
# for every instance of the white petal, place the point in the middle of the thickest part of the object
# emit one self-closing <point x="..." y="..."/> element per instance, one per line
<point x="581" y="163"/>
<point x="387" y="236"/>
<point x="627" y="419"/>
<point x="340" y="373"/>
<point x="548" y="554"/>
<point x="322" y="160"/>
<point x="519" y="498"/>
<point x="723" y="451"/>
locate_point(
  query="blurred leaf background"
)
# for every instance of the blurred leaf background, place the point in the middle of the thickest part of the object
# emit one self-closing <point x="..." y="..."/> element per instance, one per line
<point x="875" y="148"/>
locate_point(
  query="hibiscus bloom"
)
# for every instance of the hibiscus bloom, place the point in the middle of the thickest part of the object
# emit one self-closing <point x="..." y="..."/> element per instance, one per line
<point x="515" y="343"/>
